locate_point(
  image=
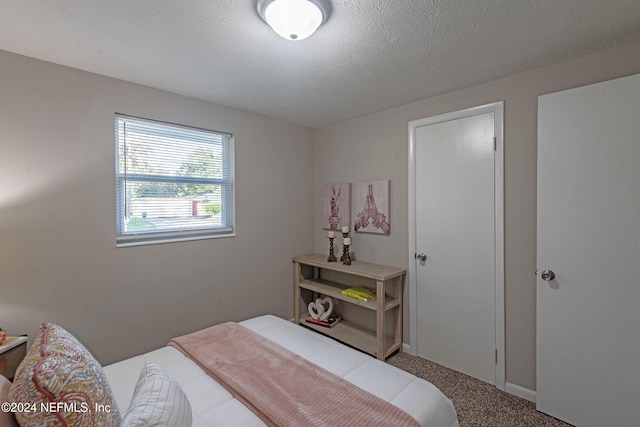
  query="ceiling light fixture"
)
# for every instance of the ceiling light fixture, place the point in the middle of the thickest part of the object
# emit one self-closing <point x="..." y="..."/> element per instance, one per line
<point x="294" y="19"/>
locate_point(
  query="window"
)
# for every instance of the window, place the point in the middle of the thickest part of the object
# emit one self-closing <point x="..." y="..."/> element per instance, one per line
<point x="173" y="182"/>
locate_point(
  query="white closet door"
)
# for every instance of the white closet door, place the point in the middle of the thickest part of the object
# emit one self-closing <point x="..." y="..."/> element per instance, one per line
<point x="455" y="218"/>
<point x="588" y="316"/>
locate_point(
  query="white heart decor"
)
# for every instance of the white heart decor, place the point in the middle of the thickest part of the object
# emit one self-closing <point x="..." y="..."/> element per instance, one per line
<point x="317" y="309"/>
<point x="314" y="311"/>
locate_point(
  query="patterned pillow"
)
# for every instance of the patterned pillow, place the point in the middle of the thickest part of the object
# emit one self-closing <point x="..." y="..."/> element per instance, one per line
<point x="64" y="382"/>
<point x="157" y="401"/>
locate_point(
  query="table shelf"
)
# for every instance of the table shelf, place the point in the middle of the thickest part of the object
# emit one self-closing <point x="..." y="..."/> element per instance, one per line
<point x="388" y="283"/>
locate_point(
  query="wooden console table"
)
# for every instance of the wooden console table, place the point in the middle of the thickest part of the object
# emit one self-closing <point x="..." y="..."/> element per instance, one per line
<point x="388" y="283"/>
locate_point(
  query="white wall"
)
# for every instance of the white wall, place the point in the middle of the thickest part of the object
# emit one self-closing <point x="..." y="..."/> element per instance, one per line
<point x="58" y="258"/>
<point x="376" y="147"/>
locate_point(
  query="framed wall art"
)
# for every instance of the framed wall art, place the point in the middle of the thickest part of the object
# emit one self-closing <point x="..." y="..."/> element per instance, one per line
<point x="371" y="201"/>
<point x="336" y="206"/>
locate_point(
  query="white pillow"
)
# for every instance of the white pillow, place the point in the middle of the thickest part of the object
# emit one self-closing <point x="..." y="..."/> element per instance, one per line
<point x="157" y="401"/>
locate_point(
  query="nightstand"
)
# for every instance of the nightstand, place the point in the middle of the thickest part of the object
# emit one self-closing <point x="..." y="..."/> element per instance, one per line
<point x="12" y="351"/>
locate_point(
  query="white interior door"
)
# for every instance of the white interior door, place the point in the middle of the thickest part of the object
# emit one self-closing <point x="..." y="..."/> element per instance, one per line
<point x="455" y="227"/>
<point x="588" y="316"/>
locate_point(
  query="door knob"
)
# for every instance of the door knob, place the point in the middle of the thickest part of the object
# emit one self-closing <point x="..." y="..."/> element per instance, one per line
<point x="548" y="275"/>
<point x="421" y="257"/>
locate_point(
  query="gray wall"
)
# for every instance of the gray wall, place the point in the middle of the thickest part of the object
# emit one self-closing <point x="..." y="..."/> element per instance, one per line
<point x="58" y="259"/>
<point x="376" y="147"/>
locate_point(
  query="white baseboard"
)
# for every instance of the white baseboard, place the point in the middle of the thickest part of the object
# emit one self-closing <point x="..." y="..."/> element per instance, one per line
<point x="406" y="348"/>
<point x="519" y="391"/>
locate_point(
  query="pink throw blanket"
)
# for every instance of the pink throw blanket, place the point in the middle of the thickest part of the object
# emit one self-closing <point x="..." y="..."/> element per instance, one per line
<point x="280" y="387"/>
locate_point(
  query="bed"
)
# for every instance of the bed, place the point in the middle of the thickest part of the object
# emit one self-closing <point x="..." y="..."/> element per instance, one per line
<point x="210" y="404"/>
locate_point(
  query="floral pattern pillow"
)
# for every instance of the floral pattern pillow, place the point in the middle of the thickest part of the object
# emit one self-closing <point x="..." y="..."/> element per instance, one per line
<point x="63" y="384"/>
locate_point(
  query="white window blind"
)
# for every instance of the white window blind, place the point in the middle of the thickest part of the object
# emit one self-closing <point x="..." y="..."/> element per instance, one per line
<point x="172" y="182"/>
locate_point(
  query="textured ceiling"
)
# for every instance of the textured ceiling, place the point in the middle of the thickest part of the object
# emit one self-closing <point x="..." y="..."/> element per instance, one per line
<point x="369" y="56"/>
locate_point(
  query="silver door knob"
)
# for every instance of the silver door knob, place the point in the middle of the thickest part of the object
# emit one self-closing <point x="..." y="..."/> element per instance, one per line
<point x="548" y="275"/>
<point x="421" y="257"/>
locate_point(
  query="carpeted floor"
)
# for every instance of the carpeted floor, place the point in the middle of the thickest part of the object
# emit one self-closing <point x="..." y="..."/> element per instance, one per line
<point x="477" y="403"/>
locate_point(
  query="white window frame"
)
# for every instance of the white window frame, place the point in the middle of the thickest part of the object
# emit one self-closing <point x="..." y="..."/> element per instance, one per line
<point x="124" y="239"/>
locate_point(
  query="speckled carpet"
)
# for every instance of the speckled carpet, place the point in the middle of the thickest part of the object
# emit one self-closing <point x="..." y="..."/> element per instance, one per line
<point x="477" y="403"/>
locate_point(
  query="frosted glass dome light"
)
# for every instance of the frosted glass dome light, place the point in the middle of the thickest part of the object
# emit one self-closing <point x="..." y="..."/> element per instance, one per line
<point x="294" y="19"/>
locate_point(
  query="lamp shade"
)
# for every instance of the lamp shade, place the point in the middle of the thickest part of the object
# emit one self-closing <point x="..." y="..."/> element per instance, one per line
<point x="293" y="19"/>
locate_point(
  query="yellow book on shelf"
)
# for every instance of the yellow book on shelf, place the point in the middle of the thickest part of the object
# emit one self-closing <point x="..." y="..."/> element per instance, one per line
<point x="360" y="293"/>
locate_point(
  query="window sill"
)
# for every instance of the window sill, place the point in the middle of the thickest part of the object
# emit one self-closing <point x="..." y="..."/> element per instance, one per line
<point x="140" y="239"/>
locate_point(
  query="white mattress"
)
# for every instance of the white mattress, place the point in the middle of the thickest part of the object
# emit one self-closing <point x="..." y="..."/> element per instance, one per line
<point x="212" y="405"/>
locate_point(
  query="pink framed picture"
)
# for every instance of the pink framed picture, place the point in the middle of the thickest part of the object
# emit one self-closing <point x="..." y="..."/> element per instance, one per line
<point x="371" y="202"/>
<point x="336" y="206"/>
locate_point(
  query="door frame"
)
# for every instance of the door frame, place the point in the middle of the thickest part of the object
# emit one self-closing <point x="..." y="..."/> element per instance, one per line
<point x="498" y="109"/>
